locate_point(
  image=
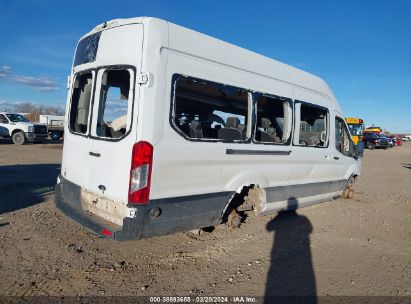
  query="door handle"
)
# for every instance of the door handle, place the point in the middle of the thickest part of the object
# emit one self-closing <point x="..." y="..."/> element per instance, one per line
<point x="94" y="154"/>
<point x="336" y="158"/>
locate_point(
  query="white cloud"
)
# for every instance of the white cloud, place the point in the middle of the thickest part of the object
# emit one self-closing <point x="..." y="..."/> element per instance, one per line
<point x="4" y="71"/>
<point x="7" y="104"/>
<point x="41" y="84"/>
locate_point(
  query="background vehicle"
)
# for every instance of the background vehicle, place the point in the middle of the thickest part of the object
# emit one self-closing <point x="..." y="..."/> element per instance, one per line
<point x="396" y="140"/>
<point x="55" y="125"/>
<point x="391" y="141"/>
<point x="20" y="129"/>
<point x="356" y="126"/>
<point x="377" y="130"/>
<point x="372" y="140"/>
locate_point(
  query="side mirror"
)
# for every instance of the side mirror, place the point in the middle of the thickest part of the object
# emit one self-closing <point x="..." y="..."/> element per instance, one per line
<point x="359" y="149"/>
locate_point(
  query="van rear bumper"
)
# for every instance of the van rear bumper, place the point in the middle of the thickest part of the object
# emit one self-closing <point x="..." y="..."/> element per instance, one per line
<point x="68" y="201"/>
<point x="175" y="214"/>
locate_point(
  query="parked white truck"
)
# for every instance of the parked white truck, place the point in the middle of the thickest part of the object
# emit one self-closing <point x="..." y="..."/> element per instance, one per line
<point x="20" y="129"/>
<point x="55" y="125"/>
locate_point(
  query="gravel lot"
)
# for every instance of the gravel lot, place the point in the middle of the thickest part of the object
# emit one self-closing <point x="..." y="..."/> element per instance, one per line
<point x="346" y="247"/>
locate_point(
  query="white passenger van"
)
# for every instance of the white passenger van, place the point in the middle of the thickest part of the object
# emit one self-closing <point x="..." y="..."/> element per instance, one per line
<point x="170" y="130"/>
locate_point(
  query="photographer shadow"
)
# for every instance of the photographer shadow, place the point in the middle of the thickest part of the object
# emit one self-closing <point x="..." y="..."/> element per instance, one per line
<point x="291" y="276"/>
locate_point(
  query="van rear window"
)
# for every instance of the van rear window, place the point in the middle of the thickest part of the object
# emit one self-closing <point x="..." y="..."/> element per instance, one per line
<point x="115" y="104"/>
<point x="206" y="110"/>
<point x="80" y="102"/>
<point x="87" y="49"/>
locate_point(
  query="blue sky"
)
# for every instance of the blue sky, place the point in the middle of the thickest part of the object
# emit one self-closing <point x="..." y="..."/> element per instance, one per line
<point x="361" y="48"/>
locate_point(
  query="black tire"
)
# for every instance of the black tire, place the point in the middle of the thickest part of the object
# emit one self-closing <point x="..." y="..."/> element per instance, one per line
<point x="370" y="146"/>
<point x="19" y="138"/>
<point x="55" y="135"/>
<point x="386" y="148"/>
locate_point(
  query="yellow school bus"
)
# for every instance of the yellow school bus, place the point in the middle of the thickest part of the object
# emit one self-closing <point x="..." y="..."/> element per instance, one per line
<point x="373" y="130"/>
<point x="356" y="126"/>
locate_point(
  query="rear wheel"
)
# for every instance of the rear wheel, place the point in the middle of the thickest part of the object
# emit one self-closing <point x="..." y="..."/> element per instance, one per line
<point x="370" y="146"/>
<point x="19" y="138"/>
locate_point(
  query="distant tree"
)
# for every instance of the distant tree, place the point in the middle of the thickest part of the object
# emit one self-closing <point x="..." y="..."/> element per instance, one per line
<point x="34" y="111"/>
<point x="33" y="117"/>
<point x="25" y="107"/>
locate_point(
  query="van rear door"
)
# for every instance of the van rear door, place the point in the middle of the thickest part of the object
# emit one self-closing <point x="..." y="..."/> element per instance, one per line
<point x="110" y="135"/>
<point x="100" y="137"/>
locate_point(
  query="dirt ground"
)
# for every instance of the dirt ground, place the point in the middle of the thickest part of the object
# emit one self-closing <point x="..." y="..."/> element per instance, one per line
<point x="358" y="247"/>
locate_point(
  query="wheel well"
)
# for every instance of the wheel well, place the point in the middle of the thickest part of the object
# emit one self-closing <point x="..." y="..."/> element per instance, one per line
<point x="351" y="180"/>
<point x="15" y="131"/>
<point x="236" y="200"/>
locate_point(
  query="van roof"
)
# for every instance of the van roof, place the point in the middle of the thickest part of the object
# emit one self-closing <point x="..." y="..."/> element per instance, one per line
<point x="219" y="51"/>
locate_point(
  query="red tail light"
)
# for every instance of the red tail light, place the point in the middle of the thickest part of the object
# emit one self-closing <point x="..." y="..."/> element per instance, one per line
<point x="140" y="173"/>
<point x="106" y="232"/>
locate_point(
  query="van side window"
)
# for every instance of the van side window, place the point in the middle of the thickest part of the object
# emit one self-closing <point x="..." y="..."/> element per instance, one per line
<point x="114" y="104"/>
<point x="343" y="142"/>
<point x="272" y="119"/>
<point x="80" y="103"/>
<point x="206" y="110"/>
<point x="313" y="126"/>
